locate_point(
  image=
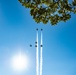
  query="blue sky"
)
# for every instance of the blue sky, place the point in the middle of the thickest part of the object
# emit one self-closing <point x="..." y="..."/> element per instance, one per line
<point x="17" y="30"/>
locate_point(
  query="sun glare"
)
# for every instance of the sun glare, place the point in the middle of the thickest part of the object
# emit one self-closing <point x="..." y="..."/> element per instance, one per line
<point x="19" y="62"/>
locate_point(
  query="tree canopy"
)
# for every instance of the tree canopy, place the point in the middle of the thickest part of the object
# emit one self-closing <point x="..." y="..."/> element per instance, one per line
<point x="52" y="11"/>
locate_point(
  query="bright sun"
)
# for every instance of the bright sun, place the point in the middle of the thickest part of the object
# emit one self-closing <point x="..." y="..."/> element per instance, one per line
<point x="19" y="62"/>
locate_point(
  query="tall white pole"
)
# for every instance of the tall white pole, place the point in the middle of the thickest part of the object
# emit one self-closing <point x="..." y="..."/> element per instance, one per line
<point x="41" y="50"/>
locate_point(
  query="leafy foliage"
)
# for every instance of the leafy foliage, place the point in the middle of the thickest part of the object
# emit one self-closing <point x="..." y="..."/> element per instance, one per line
<point x="50" y="10"/>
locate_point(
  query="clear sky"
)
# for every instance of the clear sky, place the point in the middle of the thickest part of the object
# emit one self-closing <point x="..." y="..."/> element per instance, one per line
<point x="17" y="30"/>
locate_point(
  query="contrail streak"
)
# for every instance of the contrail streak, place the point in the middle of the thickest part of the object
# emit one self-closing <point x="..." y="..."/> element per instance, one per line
<point x="41" y="58"/>
<point x="37" y="56"/>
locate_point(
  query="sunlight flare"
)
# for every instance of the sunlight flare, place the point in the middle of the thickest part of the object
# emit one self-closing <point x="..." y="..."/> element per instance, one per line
<point x="19" y="62"/>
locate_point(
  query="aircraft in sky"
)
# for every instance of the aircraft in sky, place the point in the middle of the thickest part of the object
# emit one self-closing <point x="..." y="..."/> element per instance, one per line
<point x="36" y="41"/>
<point x="30" y="45"/>
<point x="37" y="29"/>
<point x="41" y="29"/>
<point x="35" y="45"/>
<point x="41" y="45"/>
